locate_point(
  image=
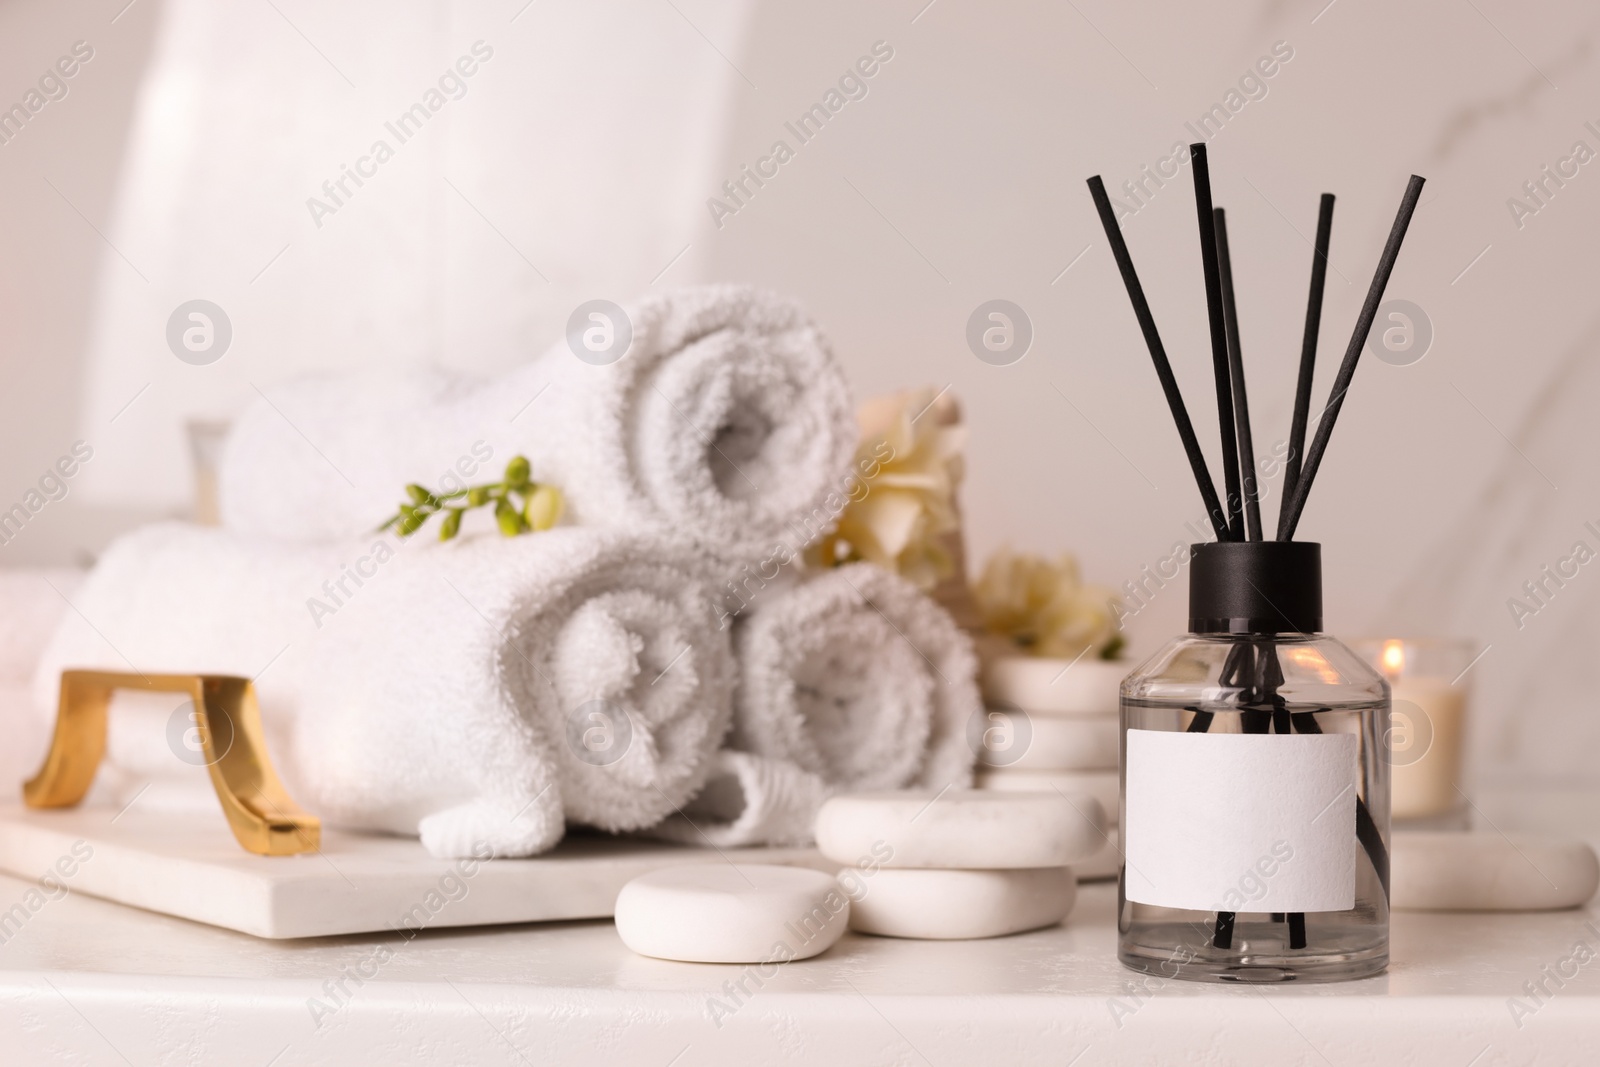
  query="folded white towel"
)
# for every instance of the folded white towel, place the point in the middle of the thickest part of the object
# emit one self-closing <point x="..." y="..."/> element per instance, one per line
<point x="858" y="678"/>
<point x="727" y="422"/>
<point x="466" y="692"/>
<point x="749" y="800"/>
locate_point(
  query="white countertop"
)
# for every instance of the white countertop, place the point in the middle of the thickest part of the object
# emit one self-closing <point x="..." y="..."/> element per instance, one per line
<point x="89" y="982"/>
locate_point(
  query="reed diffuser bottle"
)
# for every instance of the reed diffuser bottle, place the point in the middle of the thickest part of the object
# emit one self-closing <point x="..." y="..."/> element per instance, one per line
<point x="1256" y="788"/>
<point x="1255" y="771"/>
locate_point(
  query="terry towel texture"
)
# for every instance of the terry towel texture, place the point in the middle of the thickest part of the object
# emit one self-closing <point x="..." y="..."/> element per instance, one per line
<point x="474" y="691"/>
<point x="749" y="800"/>
<point x="858" y="678"/>
<point x="726" y="422"/>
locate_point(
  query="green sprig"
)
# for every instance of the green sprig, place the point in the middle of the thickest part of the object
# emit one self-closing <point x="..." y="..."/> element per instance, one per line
<point x="521" y="505"/>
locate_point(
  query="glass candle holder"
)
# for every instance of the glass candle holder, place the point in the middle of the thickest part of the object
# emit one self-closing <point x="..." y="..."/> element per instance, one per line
<point x="1427" y="737"/>
<point x="206" y="438"/>
<point x="1255" y="785"/>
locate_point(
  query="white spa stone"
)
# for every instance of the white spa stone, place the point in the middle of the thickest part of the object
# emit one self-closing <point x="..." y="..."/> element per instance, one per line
<point x="949" y="905"/>
<point x="1055" y="686"/>
<point x="963" y="829"/>
<point x="727" y="913"/>
<point x="1104" y="786"/>
<point x="1048" y="743"/>
<point x="1445" y="871"/>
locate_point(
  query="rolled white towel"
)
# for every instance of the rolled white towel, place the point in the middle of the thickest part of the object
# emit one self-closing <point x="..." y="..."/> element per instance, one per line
<point x="27" y="738"/>
<point x="32" y="602"/>
<point x="749" y="800"/>
<point x="858" y="678"/>
<point x="727" y="421"/>
<point x="464" y="692"/>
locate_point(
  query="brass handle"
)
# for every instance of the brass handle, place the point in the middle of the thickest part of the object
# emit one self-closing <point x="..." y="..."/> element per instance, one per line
<point x="263" y="817"/>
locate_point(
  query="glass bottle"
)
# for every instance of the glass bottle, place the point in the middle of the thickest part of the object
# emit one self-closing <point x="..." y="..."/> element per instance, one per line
<point x="1255" y="785"/>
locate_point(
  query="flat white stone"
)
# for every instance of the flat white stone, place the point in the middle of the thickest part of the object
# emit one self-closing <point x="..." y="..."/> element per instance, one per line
<point x="728" y="913"/>
<point x="188" y="865"/>
<point x="1055" y="686"/>
<point x="1023" y="742"/>
<point x="1445" y="871"/>
<point x="962" y="829"/>
<point x="942" y="905"/>
<point x="1104" y="786"/>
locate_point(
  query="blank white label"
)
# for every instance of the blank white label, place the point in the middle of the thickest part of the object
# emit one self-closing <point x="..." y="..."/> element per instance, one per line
<point x="1240" y="822"/>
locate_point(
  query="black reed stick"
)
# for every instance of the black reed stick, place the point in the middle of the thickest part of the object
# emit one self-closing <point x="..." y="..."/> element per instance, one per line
<point x="1222" y="936"/>
<point x="1308" y="349"/>
<point x="1219" y="341"/>
<point x="1158" y="356"/>
<point x="1295" y="504"/>
<point x="1241" y="400"/>
<point x="1297" y="929"/>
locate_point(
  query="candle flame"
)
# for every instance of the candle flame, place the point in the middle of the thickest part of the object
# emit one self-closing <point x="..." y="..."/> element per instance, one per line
<point x="1393" y="657"/>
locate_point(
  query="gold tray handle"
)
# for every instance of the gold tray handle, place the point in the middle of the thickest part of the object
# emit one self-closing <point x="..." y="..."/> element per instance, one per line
<point x="263" y="817"/>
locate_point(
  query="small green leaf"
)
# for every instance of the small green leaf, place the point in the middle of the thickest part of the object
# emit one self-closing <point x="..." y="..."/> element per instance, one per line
<point x="451" y="525"/>
<point x="410" y="520"/>
<point x="417" y="494"/>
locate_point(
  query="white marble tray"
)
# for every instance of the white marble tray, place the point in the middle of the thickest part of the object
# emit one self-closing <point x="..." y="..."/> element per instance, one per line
<point x="188" y="865"/>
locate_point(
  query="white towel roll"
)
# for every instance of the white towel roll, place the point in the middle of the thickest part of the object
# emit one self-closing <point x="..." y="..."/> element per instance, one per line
<point x="464" y="692"/>
<point x="749" y="800"/>
<point x="727" y="422"/>
<point x="32" y="602"/>
<point x="858" y="678"/>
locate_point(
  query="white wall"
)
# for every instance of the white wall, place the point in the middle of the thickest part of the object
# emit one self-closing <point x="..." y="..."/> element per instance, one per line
<point x="598" y="133"/>
<point x="960" y="178"/>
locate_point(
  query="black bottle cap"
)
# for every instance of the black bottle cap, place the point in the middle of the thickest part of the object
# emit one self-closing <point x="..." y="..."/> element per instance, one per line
<point x="1255" y="587"/>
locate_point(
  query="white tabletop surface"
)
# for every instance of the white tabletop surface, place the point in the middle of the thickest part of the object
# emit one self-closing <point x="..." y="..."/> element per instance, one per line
<point x="84" y="981"/>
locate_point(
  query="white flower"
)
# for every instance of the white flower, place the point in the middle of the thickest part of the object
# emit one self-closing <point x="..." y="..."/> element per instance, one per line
<point x="909" y="462"/>
<point x="1045" y="608"/>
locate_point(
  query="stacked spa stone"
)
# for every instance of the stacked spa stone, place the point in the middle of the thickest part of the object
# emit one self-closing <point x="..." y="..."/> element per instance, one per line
<point x="945" y="865"/>
<point x="958" y="863"/>
<point x="1052" y="726"/>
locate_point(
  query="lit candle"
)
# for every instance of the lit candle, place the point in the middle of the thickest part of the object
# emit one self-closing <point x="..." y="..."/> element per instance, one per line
<point x="1427" y="725"/>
